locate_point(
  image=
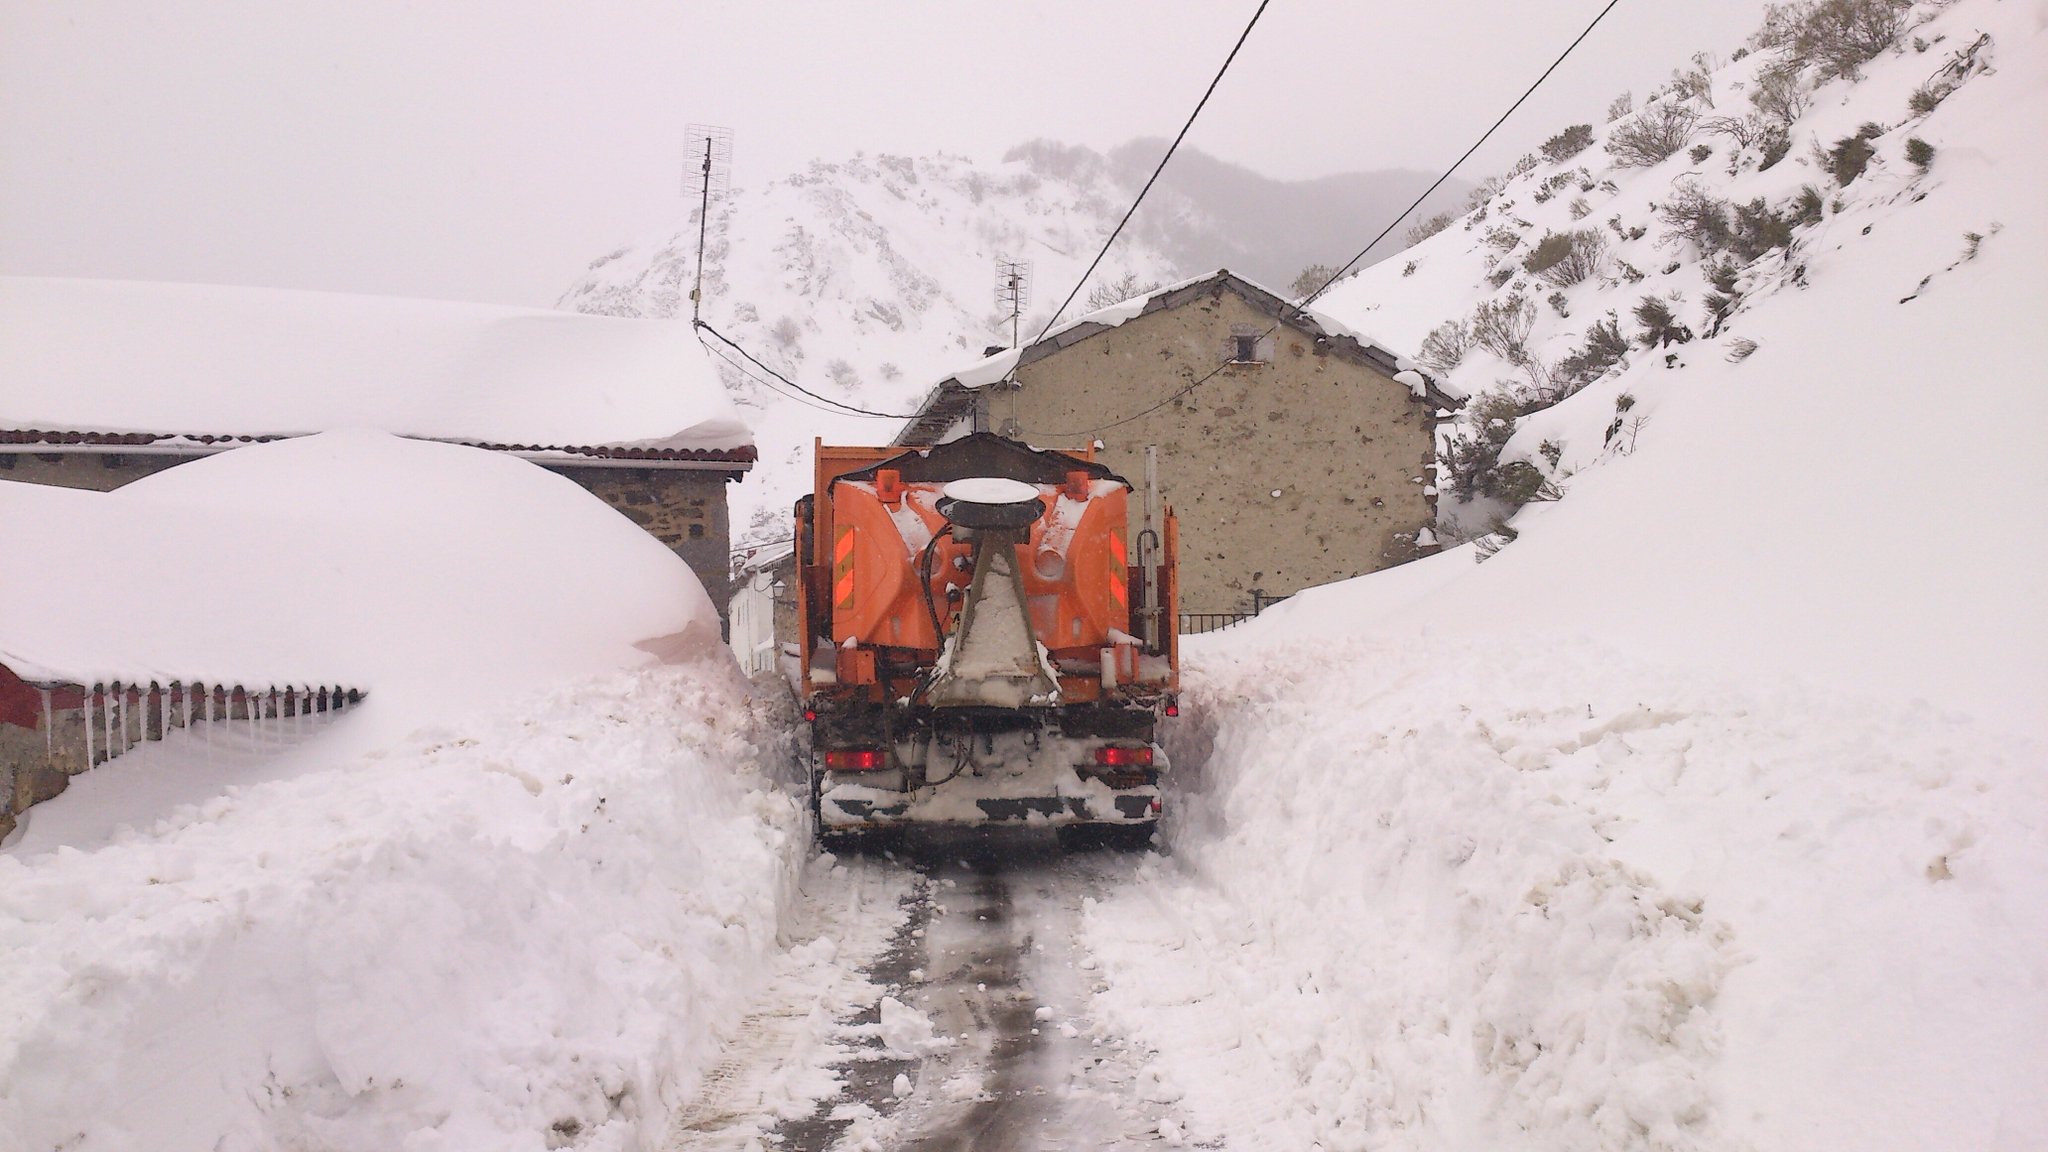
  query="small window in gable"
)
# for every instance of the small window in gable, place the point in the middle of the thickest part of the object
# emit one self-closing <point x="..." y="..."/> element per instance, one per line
<point x="1248" y="345"/>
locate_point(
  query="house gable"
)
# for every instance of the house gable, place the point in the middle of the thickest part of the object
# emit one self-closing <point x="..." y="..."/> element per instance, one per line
<point x="1307" y="466"/>
<point x="952" y="401"/>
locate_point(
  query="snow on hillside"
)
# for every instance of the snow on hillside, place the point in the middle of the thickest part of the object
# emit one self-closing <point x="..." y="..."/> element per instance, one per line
<point x="866" y="280"/>
<point x="1797" y="513"/>
<point x="1709" y="813"/>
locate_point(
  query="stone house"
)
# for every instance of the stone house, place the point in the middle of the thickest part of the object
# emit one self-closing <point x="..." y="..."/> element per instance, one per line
<point x="1295" y="451"/>
<point x="676" y="494"/>
<point x="102" y="383"/>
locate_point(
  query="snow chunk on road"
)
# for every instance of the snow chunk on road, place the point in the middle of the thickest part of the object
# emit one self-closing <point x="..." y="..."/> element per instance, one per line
<point x="907" y="1032"/>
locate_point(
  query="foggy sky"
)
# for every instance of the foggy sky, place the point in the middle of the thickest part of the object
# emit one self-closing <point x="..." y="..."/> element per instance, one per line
<point x="488" y="151"/>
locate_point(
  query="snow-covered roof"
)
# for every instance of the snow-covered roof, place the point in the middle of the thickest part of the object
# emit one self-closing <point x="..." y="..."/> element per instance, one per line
<point x="944" y="404"/>
<point x="92" y="361"/>
<point x="350" y="557"/>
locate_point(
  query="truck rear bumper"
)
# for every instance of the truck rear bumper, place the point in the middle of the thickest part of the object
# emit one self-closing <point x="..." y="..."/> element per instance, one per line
<point x="974" y="802"/>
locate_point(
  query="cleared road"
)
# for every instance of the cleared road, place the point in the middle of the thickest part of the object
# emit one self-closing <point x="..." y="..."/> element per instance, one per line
<point x="987" y="950"/>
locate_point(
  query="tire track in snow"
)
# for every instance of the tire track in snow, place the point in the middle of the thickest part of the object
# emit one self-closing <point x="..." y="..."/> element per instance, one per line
<point x="986" y="948"/>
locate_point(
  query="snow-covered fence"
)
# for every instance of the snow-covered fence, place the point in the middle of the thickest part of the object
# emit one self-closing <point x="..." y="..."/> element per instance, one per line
<point x="50" y="732"/>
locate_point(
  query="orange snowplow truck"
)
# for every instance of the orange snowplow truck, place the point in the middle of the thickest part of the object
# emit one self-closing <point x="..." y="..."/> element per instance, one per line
<point x="988" y="639"/>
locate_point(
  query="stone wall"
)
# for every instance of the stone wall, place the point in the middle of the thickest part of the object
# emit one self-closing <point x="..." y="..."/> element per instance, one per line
<point x="1309" y="468"/>
<point x="683" y="509"/>
<point x="92" y="471"/>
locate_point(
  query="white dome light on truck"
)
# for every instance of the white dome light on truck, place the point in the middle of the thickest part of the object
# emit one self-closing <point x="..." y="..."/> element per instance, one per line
<point x="990" y="502"/>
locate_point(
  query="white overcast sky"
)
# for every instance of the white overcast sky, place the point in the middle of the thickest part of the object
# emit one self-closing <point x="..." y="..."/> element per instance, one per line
<point x="488" y="151"/>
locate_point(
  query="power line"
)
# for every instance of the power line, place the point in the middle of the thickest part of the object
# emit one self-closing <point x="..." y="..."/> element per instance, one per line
<point x="1341" y="272"/>
<point x="1054" y="318"/>
<point x="742" y="370"/>
<point x="852" y="408"/>
<point x="1348" y="264"/>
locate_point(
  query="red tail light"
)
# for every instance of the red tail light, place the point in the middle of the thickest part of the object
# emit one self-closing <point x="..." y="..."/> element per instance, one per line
<point x="856" y="759"/>
<point x="1114" y="757"/>
<point x="810" y="714"/>
<point x="1172" y="706"/>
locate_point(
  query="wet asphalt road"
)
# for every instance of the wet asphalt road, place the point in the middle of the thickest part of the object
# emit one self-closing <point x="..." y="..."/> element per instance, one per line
<point x="989" y="952"/>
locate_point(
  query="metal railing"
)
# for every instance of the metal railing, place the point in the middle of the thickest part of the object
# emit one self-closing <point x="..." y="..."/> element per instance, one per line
<point x="1195" y="623"/>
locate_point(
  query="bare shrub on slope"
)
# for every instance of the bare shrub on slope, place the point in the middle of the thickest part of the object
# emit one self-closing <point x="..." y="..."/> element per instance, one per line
<point x="1568" y="143"/>
<point x="1445" y="346"/>
<point x="1839" y="36"/>
<point x="1430" y="227"/>
<point x="1502" y="327"/>
<point x="1563" y="259"/>
<point x="1656" y="133"/>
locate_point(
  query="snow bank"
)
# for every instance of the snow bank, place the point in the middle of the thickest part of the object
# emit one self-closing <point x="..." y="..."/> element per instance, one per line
<point x="1508" y="895"/>
<point x="528" y="936"/>
<point x="108" y="356"/>
<point x="435" y="576"/>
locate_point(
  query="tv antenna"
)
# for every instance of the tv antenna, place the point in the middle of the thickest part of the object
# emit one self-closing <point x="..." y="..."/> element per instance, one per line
<point x="707" y="170"/>
<point x="1013" y="291"/>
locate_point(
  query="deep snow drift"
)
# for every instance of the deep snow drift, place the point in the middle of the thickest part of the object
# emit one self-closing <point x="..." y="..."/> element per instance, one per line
<point x="528" y="932"/>
<point x="514" y="899"/>
<point x="1709" y="813"/>
<point x="435" y="576"/>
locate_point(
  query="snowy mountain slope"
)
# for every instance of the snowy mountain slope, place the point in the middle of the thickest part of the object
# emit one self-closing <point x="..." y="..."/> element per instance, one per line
<point x="1810" y="488"/>
<point x="865" y="280"/>
<point x="1708" y="814"/>
<point x="1208" y="213"/>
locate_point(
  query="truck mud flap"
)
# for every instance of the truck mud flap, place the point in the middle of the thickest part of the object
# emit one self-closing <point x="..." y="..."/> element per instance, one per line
<point x="1135" y="807"/>
<point x="1021" y="808"/>
<point x="869" y="810"/>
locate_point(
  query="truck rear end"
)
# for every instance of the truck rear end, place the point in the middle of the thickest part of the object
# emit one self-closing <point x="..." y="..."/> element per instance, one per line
<point x="989" y="640"/>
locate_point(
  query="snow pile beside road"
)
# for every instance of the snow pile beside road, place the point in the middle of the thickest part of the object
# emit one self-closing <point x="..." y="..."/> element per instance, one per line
<point x="525" y="936"/>
<point x="1510" y="896"/>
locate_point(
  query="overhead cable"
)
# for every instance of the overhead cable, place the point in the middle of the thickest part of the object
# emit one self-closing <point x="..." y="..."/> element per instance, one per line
<point x="854" y="409"/>
<point x="1128" y="213"/>
<point x="1349" y="264"/>
<point x="1483" y="137"/>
